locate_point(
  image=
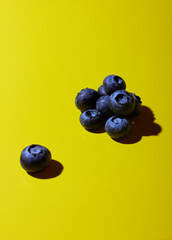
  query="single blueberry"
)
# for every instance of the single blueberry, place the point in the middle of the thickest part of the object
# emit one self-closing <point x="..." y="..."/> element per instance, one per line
<point x="101" y="91"/>
<point x="121" y="102"/>
<point x="91" y="119"/>
<point x="35" y="158"/>
<point x="117" y="127"/>
<point x="86" y="99"/>
<point x="112" y="83"/>
<point x="102" y="105"/>
<point x="138" y="106"/>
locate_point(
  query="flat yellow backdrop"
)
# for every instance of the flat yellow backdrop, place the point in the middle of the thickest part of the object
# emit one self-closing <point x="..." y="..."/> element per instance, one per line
<point x="49" y="51"/>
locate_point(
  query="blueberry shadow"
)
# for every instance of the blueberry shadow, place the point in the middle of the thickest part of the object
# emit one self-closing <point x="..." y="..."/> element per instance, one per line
<point x="53" y="170"/>
<point x="142" y="125"/>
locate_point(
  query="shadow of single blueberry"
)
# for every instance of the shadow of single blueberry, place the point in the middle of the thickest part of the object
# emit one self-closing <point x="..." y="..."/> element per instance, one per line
<point x="142" y="125"/>
<point x="53" y="170"/>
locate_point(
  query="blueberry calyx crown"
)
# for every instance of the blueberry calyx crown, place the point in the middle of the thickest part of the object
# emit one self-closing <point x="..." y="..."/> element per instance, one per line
<point x="117" y="120"/>
<point x="122" y="99"/>
<point x="35" y="149"/>
<point x="117" y="79"/>
<point x="91" y="114"/>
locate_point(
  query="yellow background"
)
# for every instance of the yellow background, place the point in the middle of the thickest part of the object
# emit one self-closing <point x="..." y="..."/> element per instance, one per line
<point x="49" y="51"/>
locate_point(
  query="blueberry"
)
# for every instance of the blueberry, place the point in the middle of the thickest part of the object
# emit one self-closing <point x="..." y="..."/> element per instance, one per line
<point x="86" y="99"/>
<point x="117" y="127"/>
<point x="112" y="83"/>
<point x="121" y="102"/>
<point x="138" y="106"/>
<point x="101" y="91"/>
<point x="35" y="158"/>
<point x="102" y="105"/>
<point x="91" y="119"/>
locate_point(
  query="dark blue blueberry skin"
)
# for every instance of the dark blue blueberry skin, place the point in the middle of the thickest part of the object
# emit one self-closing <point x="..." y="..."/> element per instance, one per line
<point x="101" y="91"/>
<point x="138" y="106"/>
<point x="121" y="102"/>
<point x="112" y="83"/>
<point x="117" y="127"/>
<point x="102" y="105"/>
<point x="35" y="158"/>
<point x="86" y="99"/>
<point x="91" y="119"/>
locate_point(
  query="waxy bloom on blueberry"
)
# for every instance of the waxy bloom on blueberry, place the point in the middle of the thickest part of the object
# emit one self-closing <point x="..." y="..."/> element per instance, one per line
<point x="102" y="105"/>
<point x="138" y="106"/>
<point x="121" y="102"/>
<point x="112" y="83"/>
<point x="117" y="127"/>
<point x="101" y="91"/>
<point x="35" y="158"/>
<point x="86" y="99"/>
<point x="91" y="119"/>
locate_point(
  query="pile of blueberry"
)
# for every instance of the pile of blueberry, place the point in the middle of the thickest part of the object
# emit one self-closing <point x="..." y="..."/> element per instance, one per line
<point x="110" y="106"/>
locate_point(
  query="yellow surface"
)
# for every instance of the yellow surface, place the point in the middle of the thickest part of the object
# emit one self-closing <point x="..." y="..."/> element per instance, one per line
<point x="49" y="51"/>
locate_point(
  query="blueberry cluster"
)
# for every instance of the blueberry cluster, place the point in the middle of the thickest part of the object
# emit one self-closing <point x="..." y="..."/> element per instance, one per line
<point x="110" y="106"/>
